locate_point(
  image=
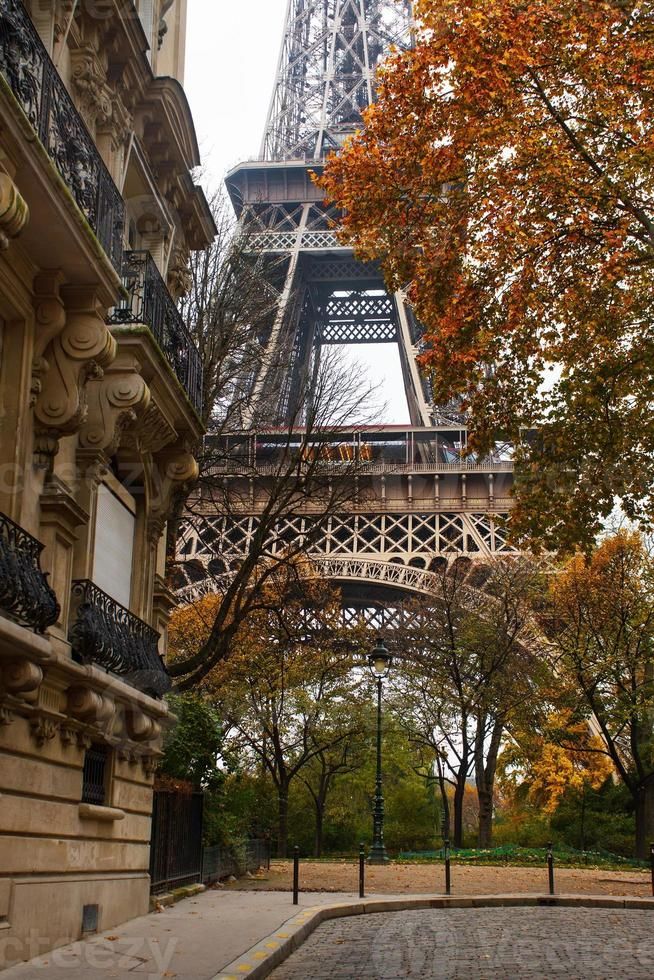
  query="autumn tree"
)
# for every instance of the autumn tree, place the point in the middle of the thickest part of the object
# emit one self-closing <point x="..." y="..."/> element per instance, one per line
<point x="289" y="697"/>
<point x="472" y="665"/>
<point x="601" y="623"/>
<point x="545" y="761"/>
<point x="504" y="178"/>
<point x="301" y="482"/>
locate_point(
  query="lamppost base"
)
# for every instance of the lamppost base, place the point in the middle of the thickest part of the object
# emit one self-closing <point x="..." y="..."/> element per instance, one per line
<point x="378" y="855"/>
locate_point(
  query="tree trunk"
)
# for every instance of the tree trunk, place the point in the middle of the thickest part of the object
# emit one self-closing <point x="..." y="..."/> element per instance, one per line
<point x="317" y="837"/>
<point x="485" y="770"/>
<point x="459" y="794"/>
<point x="282" y="818"/>
<point x="485" y="835"/>
<point x="644" y="800"/>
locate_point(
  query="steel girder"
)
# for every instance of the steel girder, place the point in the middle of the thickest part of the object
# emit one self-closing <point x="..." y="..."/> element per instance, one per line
<point x="326" y="72"/>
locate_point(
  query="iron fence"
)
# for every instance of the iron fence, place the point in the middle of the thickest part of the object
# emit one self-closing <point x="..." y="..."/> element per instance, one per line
<point x="176" y="842"/>
<point x="105" y="633"/>
<point x="44" y="99"/>
<point x="25" y="594"/>
<point x="220" y="862"/>
<point x="150" y="302"/>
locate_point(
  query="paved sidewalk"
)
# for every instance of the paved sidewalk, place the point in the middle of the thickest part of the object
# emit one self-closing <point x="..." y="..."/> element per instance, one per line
<point x="192" y="940"/>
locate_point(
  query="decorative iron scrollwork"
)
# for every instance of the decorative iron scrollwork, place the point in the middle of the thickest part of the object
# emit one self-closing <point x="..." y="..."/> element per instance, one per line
<point x="24" y="591"/>
<point x="150" y="303"/>
<point x="44" y="99"/>
<point x="109" y="635"/>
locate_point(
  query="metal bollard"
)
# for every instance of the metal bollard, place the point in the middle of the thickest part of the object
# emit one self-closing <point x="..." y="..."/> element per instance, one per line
<point x="550" y="867"/>
<point x="448" y="876"/>
<point x="651" y="861"/>
<point x="362" y="871"/>
<point x="296" y="875"/>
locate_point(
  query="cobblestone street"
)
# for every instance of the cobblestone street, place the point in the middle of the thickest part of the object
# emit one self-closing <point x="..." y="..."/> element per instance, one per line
<point x="479" y="944"/>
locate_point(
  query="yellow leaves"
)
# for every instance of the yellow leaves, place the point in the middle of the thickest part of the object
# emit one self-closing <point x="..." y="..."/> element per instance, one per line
<point x="190" y="627"/>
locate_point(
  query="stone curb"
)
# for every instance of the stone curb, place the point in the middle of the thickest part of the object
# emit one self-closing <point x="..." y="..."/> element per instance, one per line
<point x="259" y="961"/>
<point x="171" y="898"/>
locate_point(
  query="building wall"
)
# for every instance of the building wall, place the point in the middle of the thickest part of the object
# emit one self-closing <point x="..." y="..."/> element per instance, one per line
<point x="92" y="405"/>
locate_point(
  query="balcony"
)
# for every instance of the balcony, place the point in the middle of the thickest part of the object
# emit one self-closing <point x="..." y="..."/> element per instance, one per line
<point x="108" y="635"/>
<point x="25" y="595"/>
<point x="150" y="303"/>
<point x="43" y="97"/>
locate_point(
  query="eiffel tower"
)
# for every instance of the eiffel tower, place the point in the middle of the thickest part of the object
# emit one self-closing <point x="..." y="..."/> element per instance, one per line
<point x="427" y="499"/>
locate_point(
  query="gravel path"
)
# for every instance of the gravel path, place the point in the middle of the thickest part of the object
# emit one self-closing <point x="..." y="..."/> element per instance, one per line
<point x="421" y="879"/>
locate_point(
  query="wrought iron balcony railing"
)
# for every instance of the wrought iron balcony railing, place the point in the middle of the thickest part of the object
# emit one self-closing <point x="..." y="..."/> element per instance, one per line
<point x="110" y="636"/>
<point x="150" y="303"/>
<point x="25" y="595"/>
<point x="42" y="95"/>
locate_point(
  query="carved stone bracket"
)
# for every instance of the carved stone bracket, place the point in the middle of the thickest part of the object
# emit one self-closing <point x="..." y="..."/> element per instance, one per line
<point x="140" y="727"/>
<point x="114" y="402"/>
<point x="14" y="212"/>
<point x="173" y="472"/>
<point x="80" y="350"/>
<point x="22" y="679"/>
<point x="91" y="707"/>
<point x="89" y="77"/>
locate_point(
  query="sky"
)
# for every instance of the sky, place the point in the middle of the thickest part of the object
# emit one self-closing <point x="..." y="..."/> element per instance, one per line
<point x="231" y="61"/>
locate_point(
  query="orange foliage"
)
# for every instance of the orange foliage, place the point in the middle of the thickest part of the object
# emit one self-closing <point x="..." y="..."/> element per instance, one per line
<point x="506" y="176"/>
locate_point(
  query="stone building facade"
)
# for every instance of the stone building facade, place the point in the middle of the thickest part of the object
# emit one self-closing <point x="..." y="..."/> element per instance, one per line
<point x="100" y="393"/>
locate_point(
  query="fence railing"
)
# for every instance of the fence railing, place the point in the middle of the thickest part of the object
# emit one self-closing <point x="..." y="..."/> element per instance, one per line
<point x="25" y="594"/>
<point x="43" y="97"/>
<point x="109" y="635"/>
<point x="150" y="302"/>
<point x="176" y="842"/>
<point x="220" y="862"/>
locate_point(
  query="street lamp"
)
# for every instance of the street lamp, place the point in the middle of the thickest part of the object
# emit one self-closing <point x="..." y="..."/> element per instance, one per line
<point x="379" y="661"/>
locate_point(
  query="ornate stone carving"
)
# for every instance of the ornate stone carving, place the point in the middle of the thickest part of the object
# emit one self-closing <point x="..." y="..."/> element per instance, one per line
<point x="84" y="740"/>
<point x="126" y="754"/>
<point x="172" y="474"/>
<point x="43" y="728"/>
<point x="6" y="715"/>
<point x="50" y="319"/>
<point x="78" y="352"/>
<point x="114" y="402"/>
<point x="150" y="764"/>
<point x="68" y="735"/>
<point x="14" y="212"/>
<point x="89" y="77"/>
<point x="180" y="279"/>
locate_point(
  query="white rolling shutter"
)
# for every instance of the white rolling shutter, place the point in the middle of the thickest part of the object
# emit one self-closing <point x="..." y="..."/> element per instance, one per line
<point x="114" y="546"/>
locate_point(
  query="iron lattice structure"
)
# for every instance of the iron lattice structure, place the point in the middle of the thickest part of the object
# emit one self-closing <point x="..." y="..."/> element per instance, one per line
<point x="325" y="80"/>
<point x="391" y="538"/>
<point x="326" y="73"/>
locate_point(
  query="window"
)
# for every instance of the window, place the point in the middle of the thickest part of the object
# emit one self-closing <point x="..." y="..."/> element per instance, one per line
<point x="94" y="778"/>
<point x="114" y="544"/>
